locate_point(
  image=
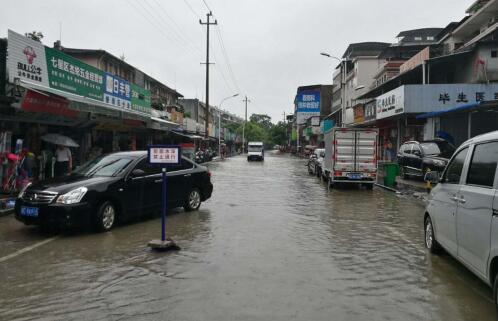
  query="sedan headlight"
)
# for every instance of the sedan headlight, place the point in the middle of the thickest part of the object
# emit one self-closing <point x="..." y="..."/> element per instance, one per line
<point x="23" y="190"/>
<point x="73" y="196"/>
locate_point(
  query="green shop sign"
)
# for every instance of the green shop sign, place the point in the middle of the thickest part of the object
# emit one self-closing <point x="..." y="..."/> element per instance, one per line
<point x="140" y="99"/>
<point x="33" y="63"/>
<point x="71" y="75"/>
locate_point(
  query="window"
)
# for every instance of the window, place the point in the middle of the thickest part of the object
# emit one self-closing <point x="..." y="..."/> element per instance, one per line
<point x="482" y="168"/>
<point x="430" y="38"/>
<point x="454" y="169"/>
<point x="494" y="53"/>
<point x="185" y="164"/>
<point x="418" y="38"/>
<point x="416" y="150"/>
<point x="147" y="168"/>
<point x="407" y="148"/>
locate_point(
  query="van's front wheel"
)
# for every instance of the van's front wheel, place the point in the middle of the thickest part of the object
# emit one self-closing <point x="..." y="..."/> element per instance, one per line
<point x="430" y="239"/>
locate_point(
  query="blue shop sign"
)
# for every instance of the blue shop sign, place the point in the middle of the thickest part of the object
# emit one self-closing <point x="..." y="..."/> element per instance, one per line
<point x="117" y="91"/>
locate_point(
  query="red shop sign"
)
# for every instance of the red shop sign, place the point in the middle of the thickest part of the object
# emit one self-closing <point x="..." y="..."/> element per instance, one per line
<point x="39" y="103"/>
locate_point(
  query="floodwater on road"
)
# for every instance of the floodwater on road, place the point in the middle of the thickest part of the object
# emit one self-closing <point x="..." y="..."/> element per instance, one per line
<point x="271" y="244"/>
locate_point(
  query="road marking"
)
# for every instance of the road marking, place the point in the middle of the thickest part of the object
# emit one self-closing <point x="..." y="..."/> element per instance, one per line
<point x="26" y="249"/>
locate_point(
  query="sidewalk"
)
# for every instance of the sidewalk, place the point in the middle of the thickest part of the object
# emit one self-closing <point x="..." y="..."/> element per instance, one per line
<point x="413" y="187"/>
<point x="6" y="207"/>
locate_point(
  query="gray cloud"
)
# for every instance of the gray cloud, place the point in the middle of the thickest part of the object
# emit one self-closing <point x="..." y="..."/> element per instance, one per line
<point x="273" y="45"/>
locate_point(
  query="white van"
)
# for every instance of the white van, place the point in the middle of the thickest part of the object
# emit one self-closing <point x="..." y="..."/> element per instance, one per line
<point x="462" y="213"/>
<point x="255" y="151"/>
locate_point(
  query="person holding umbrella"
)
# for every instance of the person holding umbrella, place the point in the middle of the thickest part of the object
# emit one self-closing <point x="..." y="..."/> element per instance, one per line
<point x="63" y="157"/>
<point x="63" y="161"/>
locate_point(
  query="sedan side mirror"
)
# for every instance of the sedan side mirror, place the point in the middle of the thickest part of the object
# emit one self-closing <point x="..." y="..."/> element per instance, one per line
<point x="432" y="177"/>
<point x="137" y="172"/>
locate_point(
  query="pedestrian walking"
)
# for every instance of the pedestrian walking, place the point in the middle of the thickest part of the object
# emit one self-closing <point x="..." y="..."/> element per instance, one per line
<point x="64" y="161"/>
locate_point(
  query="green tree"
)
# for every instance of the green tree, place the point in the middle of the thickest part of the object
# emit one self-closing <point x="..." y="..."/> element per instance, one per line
<point x="35" y="35"/>
<point x="278" y="134"/>
<point x="263" y="120"/>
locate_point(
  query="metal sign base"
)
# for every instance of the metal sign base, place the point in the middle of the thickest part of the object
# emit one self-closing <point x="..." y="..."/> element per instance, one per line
<point x="161" y="246"/>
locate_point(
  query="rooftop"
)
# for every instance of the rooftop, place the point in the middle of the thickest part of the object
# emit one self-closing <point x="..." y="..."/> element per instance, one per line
<point x="365" y="49"/>
<point x="92" y="52"/>
<point x="422" y="32"/>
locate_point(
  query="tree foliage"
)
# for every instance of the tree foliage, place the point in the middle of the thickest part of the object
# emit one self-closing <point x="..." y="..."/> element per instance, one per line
<point x="260" y="128"/>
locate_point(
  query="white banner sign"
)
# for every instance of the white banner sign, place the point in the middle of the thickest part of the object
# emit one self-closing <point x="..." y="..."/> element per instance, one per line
<point x="392" y="103"/>
<point x="27" y="60"/>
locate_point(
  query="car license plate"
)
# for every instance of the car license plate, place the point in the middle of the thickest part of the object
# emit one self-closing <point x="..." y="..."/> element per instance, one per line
<point x="354" y="176"/>
<point x="29" y="211"/>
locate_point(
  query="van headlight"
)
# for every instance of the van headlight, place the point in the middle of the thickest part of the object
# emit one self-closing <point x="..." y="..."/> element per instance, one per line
<point x="73" y="196"/>
<point x="23" y="190"/>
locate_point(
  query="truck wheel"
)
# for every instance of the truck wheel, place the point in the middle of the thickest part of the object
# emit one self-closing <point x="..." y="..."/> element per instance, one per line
<point x="369" y="186"/>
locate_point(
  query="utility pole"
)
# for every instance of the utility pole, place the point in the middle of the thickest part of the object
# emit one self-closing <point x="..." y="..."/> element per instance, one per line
<point x="208" y="23"/>
<point x="244" y="127"/>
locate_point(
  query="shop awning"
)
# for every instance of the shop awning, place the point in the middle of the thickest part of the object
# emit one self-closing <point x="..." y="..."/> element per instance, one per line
<point x="187" y="135"/>
<point x="161" y="124"/>
<point x="80" y="99"/>
<point x="451" y="110"/>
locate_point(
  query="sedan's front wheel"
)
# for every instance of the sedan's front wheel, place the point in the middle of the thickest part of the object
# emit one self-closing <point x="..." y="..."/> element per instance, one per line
<point x="106" y="217"/>
<point x="193" y="201"/>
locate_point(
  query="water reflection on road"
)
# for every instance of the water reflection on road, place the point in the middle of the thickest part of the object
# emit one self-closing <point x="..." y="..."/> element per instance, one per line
<point x="271" y="244"/>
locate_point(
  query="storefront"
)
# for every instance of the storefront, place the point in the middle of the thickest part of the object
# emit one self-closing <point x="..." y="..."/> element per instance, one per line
<point x="56" y="94"/>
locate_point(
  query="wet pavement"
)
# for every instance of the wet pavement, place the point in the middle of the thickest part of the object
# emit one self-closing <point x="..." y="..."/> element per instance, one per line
<point x="271" y="244"/>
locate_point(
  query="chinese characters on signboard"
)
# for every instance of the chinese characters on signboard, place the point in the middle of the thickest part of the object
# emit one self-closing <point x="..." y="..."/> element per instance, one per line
<point x="462" y="97"/>
<point x="370" y="110"/>
<point x="307" y="105"/>
<point x="391" y="104"/>
<point x="71" y="75"/>
<point x="33" y="63"/>
<point x="164" y="155"/>
<point x="117" y="91"/>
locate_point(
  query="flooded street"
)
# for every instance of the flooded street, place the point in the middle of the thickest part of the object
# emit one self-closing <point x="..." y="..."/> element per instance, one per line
<point x="271" y="244"/>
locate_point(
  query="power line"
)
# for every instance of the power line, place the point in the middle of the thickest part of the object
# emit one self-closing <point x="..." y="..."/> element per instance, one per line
<point x="192" y="9"/>
<point x="175" y="27"/>
<point x="161" y="22"/>
<point x="205" y="3"/>
<point x="225" y="54"/>
<point x="153" y="22"/>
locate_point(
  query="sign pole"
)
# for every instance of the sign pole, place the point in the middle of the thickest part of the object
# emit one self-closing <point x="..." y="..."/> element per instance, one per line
<point x="164" y="199"/>
<point x="164" y="156"/>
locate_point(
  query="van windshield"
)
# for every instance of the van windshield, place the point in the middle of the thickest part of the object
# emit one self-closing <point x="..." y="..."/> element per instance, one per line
<point x="255" y="148"/>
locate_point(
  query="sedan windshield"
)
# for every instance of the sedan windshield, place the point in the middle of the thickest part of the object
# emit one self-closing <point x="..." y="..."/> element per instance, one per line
<point x="104" y="166"/>
<point x="441" y="149"/>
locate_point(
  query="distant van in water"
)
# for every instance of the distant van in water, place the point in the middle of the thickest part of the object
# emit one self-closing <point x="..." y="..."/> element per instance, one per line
<point x="255" y="151"/>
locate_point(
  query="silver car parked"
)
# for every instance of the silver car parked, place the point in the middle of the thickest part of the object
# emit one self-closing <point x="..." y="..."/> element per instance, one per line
<point x="462" y="213"/>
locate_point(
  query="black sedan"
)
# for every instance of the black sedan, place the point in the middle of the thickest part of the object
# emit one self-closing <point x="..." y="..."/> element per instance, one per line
<point x="111" y="188"/>
<point x="417" y="158"/>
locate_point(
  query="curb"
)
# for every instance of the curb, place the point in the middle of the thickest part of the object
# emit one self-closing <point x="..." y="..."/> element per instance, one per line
<point x="6" y="212"/>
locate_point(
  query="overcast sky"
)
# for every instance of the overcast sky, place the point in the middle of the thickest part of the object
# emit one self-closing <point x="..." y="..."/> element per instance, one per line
<point x="273" y="45"/>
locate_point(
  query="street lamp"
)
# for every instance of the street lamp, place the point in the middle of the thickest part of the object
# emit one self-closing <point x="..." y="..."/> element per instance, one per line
<point x="343" y="83"/>
<point x="219" y="122"/>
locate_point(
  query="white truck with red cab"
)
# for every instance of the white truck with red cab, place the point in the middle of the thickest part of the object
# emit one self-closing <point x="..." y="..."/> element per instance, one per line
<point x="351" y="156"/>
